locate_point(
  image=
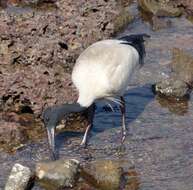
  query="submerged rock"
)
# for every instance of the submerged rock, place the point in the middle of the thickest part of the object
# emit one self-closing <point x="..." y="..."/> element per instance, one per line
<point x="173" y="105"/>
<point x="131" y="180"/>
<point x="17" y="130"/>
<point x="19" y="178"/>
<point x="159" y="8"/>
<point x="57" y="174"/>
<point x="103" y="174"/>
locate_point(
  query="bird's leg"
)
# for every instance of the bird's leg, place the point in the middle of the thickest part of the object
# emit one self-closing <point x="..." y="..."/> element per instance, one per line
<point x="91" y="112"/>
<point x="123" y="129"/>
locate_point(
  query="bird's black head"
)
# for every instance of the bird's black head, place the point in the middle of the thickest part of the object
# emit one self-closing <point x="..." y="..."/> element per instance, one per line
<point x="137" y="41"/>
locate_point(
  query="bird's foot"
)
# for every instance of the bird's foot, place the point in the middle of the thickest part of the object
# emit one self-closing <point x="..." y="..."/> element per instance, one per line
<point x="53" y="155"/>
<point x="123" y="136"/>
<point x="83" y="144"/>
<point x="121" y="149"/>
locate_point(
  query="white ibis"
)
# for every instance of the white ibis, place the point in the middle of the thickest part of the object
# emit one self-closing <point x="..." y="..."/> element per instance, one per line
<point x="102" y="72"/>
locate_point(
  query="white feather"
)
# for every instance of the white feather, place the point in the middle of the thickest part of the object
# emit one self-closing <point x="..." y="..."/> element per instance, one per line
<point x="103" y="71"/>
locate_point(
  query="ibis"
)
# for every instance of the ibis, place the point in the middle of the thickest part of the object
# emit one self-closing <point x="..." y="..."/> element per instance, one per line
<point x="101" y="72"/>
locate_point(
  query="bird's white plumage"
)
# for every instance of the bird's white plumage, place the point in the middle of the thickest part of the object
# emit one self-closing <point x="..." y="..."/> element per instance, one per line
<point x="103" y="70"/>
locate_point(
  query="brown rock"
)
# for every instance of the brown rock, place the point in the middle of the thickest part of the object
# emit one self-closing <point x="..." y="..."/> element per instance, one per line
<point x="103" y="174"/>
<point x="159" y="8"/>
<point x="177" y="107"/>
<point x="12" y="135"/>
<point x="16" y="130"/>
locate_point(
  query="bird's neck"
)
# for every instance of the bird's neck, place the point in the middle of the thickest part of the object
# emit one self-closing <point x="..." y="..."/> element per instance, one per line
<point x="71" y="108"/>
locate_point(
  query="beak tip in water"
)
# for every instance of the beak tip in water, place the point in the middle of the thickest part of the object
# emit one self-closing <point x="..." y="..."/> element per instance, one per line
<point x="51" y="141"/>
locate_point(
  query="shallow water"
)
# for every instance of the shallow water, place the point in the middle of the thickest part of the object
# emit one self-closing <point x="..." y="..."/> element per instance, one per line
<point x="160" y="143"/>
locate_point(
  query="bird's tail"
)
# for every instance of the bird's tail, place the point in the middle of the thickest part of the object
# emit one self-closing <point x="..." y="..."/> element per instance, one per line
<point x="137" y="41"/>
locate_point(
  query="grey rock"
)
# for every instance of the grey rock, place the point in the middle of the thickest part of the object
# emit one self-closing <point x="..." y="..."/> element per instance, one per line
<point x="103" y="174"/>
<point x="19" y="178"/>
<point x="172" y="87"/>
<point x="57" y="174"/>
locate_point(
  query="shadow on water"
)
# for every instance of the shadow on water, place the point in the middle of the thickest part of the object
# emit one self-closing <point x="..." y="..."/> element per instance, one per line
<point x="136" y="100"/>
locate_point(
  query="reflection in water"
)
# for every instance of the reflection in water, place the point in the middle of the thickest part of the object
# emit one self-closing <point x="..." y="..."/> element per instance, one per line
<point x="174" y="106"/>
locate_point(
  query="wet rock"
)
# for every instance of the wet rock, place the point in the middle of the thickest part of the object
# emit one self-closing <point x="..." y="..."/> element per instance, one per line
<point x="57" y="174"/>
<point x="174" y="106"/>
<point x="19" y="178"/>
<point x="182" y="66"/>
<point x="103" y="174"/>
<point x="17" y="130"/>
<point x="131" y="180"/>
<point x="172" y="87"/>
<point x="159" y="8"/>
<point x="12" y="135"/>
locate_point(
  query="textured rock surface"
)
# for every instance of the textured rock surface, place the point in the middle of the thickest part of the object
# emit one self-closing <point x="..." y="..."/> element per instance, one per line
<point x="57" y="174"/>
<point x="16" y="130"/>
<point x="19" y="178"/>
<point x="103" y="174"/>
<point x="173" y="88"/>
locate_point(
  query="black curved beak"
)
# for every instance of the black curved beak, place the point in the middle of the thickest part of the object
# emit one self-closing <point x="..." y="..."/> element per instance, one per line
<point x="51" y="141"/>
